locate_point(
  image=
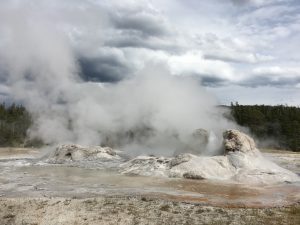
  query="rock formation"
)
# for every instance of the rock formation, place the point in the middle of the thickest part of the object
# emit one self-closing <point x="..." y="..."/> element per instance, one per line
<point x="235" y="140"/>
<point x="147" y="166"/>
<point x="65" y="153"/>
<point x="242" y="162"/>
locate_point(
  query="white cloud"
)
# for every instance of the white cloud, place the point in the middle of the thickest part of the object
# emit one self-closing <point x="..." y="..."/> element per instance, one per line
<point x="193" y="63"/>
<point x="215" y="40"/>
<point x="258" y="95"/>
<point x="278" y="71"/>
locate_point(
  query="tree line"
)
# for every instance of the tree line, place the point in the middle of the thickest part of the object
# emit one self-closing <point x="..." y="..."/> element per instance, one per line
<point x="279" y="123"/>
<point x="15" y="121"/>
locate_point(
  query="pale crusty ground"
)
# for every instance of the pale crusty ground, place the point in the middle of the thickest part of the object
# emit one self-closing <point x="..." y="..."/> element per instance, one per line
<point x="12" y="152"/>
<point x="134" y="210"/>
<point x="137" y="209"/>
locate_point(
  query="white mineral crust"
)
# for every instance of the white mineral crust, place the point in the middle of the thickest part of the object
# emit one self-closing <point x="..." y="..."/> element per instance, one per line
<point x="241" y="163"/>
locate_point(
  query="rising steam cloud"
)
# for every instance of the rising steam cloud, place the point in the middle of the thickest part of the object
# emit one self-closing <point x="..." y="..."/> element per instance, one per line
<point x="151" y="111"/>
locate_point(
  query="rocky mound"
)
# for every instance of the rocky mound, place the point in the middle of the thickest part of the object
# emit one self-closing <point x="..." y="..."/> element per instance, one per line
<point x="74" y="153"/>
<point x="147" y="166"/>
<point x="235" y="140"/>
<point x="242" y="162"/>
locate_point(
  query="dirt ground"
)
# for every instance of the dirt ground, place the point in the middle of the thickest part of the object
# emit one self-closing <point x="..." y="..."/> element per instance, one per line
<point x="36" y="195"/>
<point x="10" y="152"/>
<point x="134" y="210"/>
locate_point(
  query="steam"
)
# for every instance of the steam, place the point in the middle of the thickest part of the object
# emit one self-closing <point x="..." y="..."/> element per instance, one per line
<point x="152" y="111"/>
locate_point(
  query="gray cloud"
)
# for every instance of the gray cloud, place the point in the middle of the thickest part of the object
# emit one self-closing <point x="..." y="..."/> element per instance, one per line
<point x="44" y="60"/>
<point x="113" y="40"/>
<point x="129" y="39"/>
<point x="104" y="65"/>
<point x="241" y="2"/>
<point x="273" y="76"/>
<point x="235" y="57"/>
<point x="269" y="81"/>
<point x="257" y="2"/>
<point x="258" y="95"/>
<point x="102" y="69"/>
<point x="146" y="24"/>
<point x="211" y="81"/>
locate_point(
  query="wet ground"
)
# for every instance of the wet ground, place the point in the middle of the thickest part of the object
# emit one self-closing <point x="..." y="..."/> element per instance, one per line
<point x="22" y="176"/>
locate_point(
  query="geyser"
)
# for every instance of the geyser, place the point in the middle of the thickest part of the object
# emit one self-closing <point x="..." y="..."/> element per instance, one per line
<point x="152" y="111"/>
<point x="240" y="162"/>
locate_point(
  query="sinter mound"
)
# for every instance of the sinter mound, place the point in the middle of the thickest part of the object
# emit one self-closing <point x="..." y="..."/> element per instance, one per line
<point x="242" y="162"/>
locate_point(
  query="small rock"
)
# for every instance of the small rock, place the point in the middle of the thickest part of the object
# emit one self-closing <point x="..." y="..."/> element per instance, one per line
<point x="180" y="159"/>
<point x="193" y="176"/>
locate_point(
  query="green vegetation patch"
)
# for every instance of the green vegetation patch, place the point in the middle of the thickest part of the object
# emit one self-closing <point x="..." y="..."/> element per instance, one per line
<point x="279" y="123"/>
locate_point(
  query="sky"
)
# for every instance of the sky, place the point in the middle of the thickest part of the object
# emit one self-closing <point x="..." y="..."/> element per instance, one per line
<point x="244" y="51"/>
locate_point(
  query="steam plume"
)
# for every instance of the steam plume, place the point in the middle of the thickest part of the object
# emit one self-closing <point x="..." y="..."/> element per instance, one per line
<point x="151" y="111"/>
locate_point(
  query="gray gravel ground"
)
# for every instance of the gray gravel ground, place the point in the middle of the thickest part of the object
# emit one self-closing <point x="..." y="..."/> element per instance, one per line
<point x="134" y="210"/>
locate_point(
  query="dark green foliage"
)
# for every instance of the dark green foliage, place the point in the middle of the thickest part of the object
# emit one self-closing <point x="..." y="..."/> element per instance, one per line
<point x="14" y="123"/>
<point x="281" y="123"/>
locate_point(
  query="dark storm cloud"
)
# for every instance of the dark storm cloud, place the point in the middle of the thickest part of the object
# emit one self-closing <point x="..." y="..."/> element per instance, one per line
<point x="208" y="80"/>
<point x="103" y="69"/>
<point x="211" y="81"/>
